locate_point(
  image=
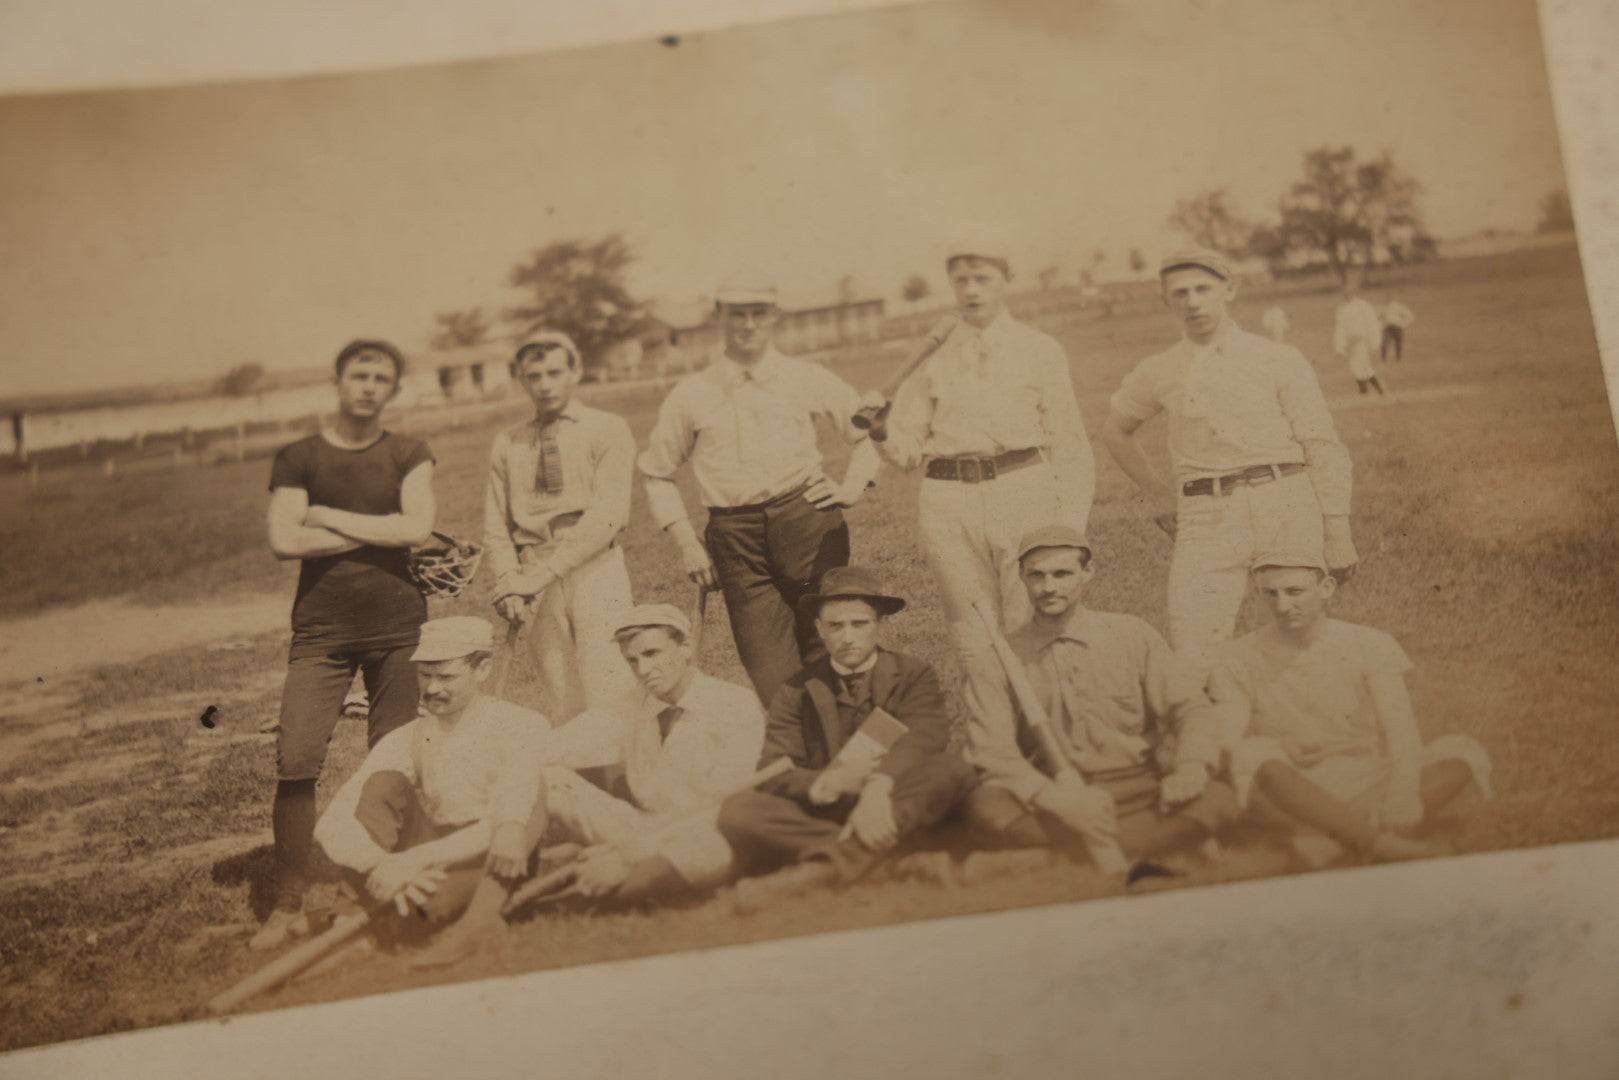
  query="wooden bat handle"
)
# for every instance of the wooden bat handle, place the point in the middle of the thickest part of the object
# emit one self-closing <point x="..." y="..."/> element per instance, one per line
<point x="1104" y="850"/>
<point x="871" y="417"/>
<point x="274" y="974"/>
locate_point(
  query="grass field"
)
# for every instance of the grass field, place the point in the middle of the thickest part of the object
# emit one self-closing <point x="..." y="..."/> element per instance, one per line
<point x="134" y="840"/>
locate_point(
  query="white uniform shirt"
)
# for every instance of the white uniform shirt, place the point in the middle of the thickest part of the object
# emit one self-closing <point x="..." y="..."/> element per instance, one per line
<point x="749" y="433"/>
<point x="483" y="768"/>
<point x="1397" y="314"/>
<point x="1357" y="322"/>
<point x="711" y="750"/>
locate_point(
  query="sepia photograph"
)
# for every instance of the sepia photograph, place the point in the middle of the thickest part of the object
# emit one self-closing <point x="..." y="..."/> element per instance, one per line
<point x="485" y="517"/>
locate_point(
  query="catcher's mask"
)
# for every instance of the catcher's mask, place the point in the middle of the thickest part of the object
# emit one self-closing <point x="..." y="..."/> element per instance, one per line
<point x="444" y="566"/>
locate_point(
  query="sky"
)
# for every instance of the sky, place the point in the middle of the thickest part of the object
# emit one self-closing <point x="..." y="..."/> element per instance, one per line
<point x="175" y="233"/>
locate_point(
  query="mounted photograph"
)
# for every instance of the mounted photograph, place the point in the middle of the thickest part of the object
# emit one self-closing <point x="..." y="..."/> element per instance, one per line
<point x="478" y="518"/>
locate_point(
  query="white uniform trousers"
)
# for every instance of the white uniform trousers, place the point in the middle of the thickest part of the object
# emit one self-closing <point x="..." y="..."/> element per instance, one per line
<point x="691" y="842"/>
<point x="571" y="633"/>
<point x="970" y="535"/>
<point x="1216" y="539"/>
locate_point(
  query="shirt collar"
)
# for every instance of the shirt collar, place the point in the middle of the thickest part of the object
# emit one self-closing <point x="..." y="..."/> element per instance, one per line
<point x="871" y="662"/>
<point x="1076" y="628"/>
<point x="764" y="372"/>
<point x="570" y="411"/>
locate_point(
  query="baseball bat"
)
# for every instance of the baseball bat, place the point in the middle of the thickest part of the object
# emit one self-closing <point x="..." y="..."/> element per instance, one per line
<point x="557" y="883"/>
<point x="513" y="632"/>
<point x="1102" y="847"/>
<point x="874" y="418"/>
<point x="279" y="971"/>
<point x="698" y="620"/>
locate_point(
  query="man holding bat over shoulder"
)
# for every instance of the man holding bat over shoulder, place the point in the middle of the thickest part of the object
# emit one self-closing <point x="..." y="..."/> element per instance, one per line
<point x="865" y="730"/>
<point x="992" y="417"/>
<point x="559" y="495"/>
<point x="747" y="424"/>
<point x="1136" y="739"/>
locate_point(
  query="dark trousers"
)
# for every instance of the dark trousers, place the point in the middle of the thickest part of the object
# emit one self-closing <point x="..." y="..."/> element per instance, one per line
<point x="767" y="557"/>
<point x="998" y="820"/>
<point x="312" y="701"/>
<point x="770" y="831"/>
<point x="1393" y="340"/>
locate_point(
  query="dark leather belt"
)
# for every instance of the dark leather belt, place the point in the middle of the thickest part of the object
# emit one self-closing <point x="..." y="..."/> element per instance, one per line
<point x="970" y="470"/>
<point x="754" y="508"/>
<point x="1257" y="474"/>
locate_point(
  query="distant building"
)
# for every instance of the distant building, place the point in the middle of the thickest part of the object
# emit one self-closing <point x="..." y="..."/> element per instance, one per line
<point x="851" y="322"/>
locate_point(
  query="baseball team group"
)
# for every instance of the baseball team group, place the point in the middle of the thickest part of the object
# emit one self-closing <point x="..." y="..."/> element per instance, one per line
<point x="1074" y="734"/>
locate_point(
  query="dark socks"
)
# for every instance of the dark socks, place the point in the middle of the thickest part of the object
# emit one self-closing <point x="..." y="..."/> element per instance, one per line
<point x="294" y="824"/>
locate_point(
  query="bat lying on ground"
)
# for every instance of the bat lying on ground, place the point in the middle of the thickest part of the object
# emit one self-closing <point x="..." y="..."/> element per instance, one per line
<point x="513" y="632"/>
<point x="278" y="971"/>
<point x="1102" y="847"/>
<point x="874" y="418"/>
<point x="558" y="884"/>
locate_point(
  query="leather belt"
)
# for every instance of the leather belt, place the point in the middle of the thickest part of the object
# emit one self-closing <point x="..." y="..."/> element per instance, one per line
<point x="971" y="470"/>
<point x="754" y="508"/>
<point x="1252" y="476"/>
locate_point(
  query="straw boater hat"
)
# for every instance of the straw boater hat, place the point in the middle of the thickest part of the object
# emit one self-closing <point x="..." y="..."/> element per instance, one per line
<point x="851" y="583"/>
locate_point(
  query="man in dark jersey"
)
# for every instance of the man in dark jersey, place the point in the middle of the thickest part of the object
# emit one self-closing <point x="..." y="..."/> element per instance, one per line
<point x="348" y="503"/>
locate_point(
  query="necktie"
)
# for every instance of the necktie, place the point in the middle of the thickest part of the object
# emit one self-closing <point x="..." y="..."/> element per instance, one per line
<point x="548" y="474"/>
<point x="667" y="718"/>
<point x="854" y="687"/>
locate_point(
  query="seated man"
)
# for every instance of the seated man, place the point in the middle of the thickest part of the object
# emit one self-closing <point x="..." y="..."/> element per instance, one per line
<point x="865" y="730"/>
<point x="686" y="740"/>
<point x="445" y="811"/>
<point x="1138" y="738"/>
<point x="1329" y="735"/>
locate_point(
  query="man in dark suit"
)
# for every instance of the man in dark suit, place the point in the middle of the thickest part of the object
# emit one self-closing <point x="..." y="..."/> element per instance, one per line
<point x="866" y="732"/>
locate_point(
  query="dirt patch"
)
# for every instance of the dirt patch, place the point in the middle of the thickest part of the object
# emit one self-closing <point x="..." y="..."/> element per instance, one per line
<point x="37" y="649"/>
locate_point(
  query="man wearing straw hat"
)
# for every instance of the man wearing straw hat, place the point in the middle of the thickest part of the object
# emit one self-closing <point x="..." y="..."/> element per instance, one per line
<point x="558" y="497"/>
<point x="866" y="731"/>
<point x="747" y="423"/>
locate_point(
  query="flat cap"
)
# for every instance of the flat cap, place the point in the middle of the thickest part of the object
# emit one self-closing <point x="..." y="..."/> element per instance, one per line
<point x="852" y="583"/>
<point x="746" y="287"/>
<point x="546" y="340"/>
<point x="453" y="637"/>
<point x="1052" y="536"/>
<point x="1205" y="258"/>
<point x="978" y="246"/>
<point x="644" y="616"/>
<point x="1292" y="558"/>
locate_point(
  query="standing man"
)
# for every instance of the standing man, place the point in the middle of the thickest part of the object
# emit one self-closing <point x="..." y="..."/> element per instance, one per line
<point x="1256" y="460"/>
<point x="866" y="732"/>
<point x="348" y="503"/>
<point x="1356" y="334"/>
<point x="686" y="740"/>
<point x="746" y="423"/>
<point x="992" y="418"/>
<point x="559" y="494"/>
<point x="1396" y="317"/>
<point x="1130" y="718"/>
<point x="444" y="813"/>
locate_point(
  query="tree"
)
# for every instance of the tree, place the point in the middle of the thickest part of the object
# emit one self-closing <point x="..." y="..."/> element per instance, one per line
<point x="242" y="379"/>
<point x="1556" y="215"/>
<point x="1343" y="207"/>
<point x="1049" y="277"/>
<point x="847" y="289"/>
<point x="915" y="289"/>
<point x="1138" y="261"/>
<point x="1210" y="220"/>
<point x="460" y="329"/>
<point x="577" y="286"/>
